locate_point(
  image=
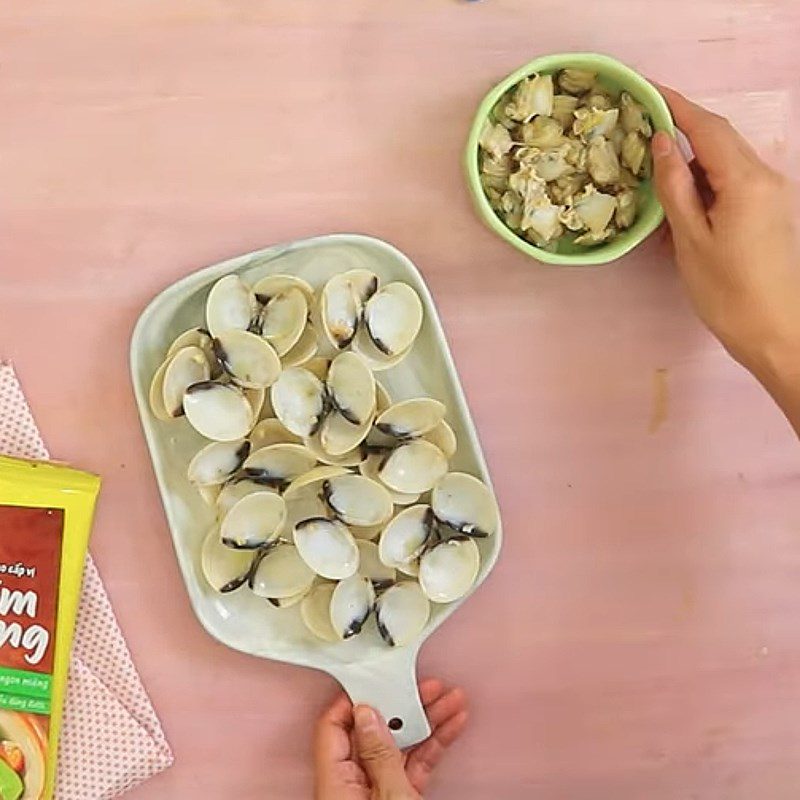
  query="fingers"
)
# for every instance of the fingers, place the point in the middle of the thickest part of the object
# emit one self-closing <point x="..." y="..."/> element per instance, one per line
<point x="719" y="147"/>
<point x="677" y="191"/>
<point x="446" y="706"/>
<point x="379" y="755"/>
<point x="430" y="690"/>
<point x="332" y="732"/>
<point x="425" y="757"/>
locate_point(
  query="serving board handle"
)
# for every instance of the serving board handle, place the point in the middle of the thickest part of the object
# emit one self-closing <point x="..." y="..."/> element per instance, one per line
<point x="390" y="686"/>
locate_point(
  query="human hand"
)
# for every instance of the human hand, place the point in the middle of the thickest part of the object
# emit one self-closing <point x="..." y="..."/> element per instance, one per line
<point x="733" y="227"/>
<point x="355" y="757"/>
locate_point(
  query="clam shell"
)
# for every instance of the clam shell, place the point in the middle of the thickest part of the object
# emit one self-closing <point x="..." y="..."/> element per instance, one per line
<point x="188" y="366"/>
<point x="327" y="546"/>
<point x="341" y="303"/>
<point x="156" y="395"/>
<point x="303" y="350"/>
<point x="283" y="319"/>
<point x="351" y="387"/>
<point x="251" y="362"/>
<point x="230" y="306"/>
<point x="218" y="412"/>
<point x="405" y="537"/>
<point x="313" y="478"/>
<point x="281" y="573"/>
<point x="448" y="570"/>
<point x="319" y="366"/>
<point x="338" y="437"/>
<point x="369" y="468"/>
<point x="402" y="612"/>
<point x="198" y="337"/>
<point x="275" y="284"/>
<point x="351" y="602"/>
<point x="254" y="521"/>
<point x="257" y="398"/>
<point x="278" y="465"/>
<point x="352" y="458"/>
<point x="444" y="438"/>
<point x="209" y="494"/>
<point x="316" y="612"/>
<point x="413" y="467"/>
<point x="411" y="418"/>
<point x="465" y="504"/>
<point x="382" y="398"/>
<point x="393" y="318"/>
<point x="217" y="461"/>
<point x="366" y="532"/>
<point x="370" y="565"/>
<point x="298" y="398"/>
<point x="378" y="361"/>
<point x="224" y="569"/>
<point x="291" y="600"/>
<point x="271" y="431"/>
<point x="232" y="492"/>
<point x="357" y="500"/>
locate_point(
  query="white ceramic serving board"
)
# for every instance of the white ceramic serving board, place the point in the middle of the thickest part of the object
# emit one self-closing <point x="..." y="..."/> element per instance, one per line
<point x="370" y="671"/>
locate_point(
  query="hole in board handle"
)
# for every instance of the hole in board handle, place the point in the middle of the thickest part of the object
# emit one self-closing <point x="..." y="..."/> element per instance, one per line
<point x="395" y="723"/>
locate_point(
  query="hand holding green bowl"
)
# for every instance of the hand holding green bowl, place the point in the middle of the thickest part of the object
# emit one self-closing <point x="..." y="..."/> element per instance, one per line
<point x="616" y="77"/>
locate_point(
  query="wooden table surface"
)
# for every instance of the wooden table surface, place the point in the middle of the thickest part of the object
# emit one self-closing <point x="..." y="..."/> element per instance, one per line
<point x="640" y="637"/>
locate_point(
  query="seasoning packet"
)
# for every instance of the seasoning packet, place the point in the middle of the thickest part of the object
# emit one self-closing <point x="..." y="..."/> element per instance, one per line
<point x="46" y="513"/>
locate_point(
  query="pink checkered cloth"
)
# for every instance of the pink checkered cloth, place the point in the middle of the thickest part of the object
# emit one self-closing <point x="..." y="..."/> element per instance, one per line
<point x="111" y="738"/>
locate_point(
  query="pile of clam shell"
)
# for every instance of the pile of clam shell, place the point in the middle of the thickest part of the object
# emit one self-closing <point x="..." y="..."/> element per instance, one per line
<point x="563" y="158"/>
<point x="326" y="493"/>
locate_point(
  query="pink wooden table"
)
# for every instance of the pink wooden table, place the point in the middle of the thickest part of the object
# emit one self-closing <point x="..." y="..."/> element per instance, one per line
<point x="640" y="637"/>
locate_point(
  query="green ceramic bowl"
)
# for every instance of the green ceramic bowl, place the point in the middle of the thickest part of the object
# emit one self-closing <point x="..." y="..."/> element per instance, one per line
<point x="617" y="76"/>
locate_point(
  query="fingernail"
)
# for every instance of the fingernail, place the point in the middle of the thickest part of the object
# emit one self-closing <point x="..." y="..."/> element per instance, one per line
<point x="662" y="144"/>
<point x="365" y="718"/>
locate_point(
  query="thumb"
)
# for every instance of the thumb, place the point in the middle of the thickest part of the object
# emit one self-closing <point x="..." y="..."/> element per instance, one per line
<point x="379" y="755"/>
<point x="676" y="190"/>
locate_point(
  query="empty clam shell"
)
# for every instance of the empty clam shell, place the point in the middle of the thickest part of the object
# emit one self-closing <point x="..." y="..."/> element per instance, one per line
<point x="327" y="546"/>
<point x="370" y="565"/>
<point x="188" y="366"/>
<point x="465" y="504"/>
<point x="271" y="431"/>
<point x="283" y="319"/>
<point x="230" y="306"/>
<point x="254" y="521"/>
<point x="291" y="600"/>
<point x="217" y="461"/>
<point x="413" y="467"/>
<point x="303" y="350"/>
<point x="251" y="362"/>
<point x="298" y="398"/>
<point x="281" y="573"/>
<point x="314" y="478"/>
<point x="448" y="570"/>
<point x="277" y="465"/>
<point x="210" y="494"/>
<point x="224" y="569"/>
<point x="232" y="492"/>
<point x="157" y="393"/>
<point x="402" y="612"/>
<point x="341" y="304"/>
<point x="351" y="602"/>
<point x="257" y="398"/>
<point x="319" y="366"/>
<point x="369" y="468"/>
<point x="382" y="398"/>
<point x="316" y="612"/>
<point x="198" y="337"/>
<point x="351" y="387"/>
<point x="366" y="532"/>
<point x="357" y="500"/>
<point x="219" y="412"/>
<point x="272" y="285"/>
<point x="411" y="418"/>
<point x="338" y="437"/>
<point x="405" y="537"/>
<point x="378" y="361"/>
<point x="444" y="438"/>
<point x="352" y="458"/>
<point x="393" y="317"/>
